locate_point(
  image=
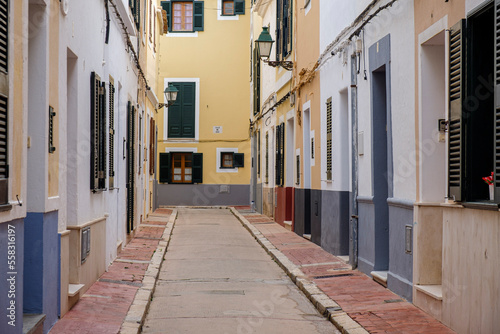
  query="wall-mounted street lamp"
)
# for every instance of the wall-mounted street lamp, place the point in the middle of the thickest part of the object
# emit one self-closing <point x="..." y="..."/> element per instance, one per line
<point x="170" y="96"/>
<point x="264" y="45"/>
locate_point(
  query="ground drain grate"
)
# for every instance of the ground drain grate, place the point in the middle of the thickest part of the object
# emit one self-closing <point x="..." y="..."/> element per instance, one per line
<point x="333" y="276"/>
<point x="393" y="301"/>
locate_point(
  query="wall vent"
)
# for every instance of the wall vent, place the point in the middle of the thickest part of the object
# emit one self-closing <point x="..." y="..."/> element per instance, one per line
<point x="85" y="243"/>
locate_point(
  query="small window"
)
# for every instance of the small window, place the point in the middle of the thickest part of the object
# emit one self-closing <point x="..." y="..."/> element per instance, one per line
<point x="181" y="167"/>
<point x="228" y="7"/>
<point x="231" y="160"/>
<point x="227" y="160"/>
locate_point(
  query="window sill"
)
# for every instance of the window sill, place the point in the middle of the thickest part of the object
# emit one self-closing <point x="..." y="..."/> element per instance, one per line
<point x="5" y="207"/>
<point x="481" y="205"/>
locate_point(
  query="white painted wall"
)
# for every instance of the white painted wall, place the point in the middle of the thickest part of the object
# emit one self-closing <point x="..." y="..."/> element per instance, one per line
<point x="398" y="22"/>
<point x="83" y="31"/>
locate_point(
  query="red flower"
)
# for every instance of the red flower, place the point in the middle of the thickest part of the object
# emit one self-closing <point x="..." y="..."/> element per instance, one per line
<point x="488" y="179"/>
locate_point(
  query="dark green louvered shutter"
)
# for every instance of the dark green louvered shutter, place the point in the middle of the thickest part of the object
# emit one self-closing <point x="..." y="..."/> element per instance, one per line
<point x="198" y="15"/>
<point x="282" y="162"/>
<point x="95" y="86"/>
<point x="239" y="7"/>
<point x="4" y="105"/>
<point x="267" y="158"/>
<point x="329" y="141"/>
<point x="181" y="115"/>
<point x="256" y="81"/>
<point x="102" y="137"/>
<point x="277" y="161"/>
<point x="130" y="166"/>
<point x="279" y="23"/>
<point x="197" y="167"/>
<point x="239" y="160"/>
<point x="497" y="101"/>
<point x="165" y="167"/>
<point x="258" y="153"/>
<point x="167" y="7"/>
<point x="456" y="95"/>
<point x="111" y="168"/>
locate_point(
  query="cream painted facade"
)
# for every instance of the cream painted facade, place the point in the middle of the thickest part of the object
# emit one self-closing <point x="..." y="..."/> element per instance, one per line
<point x="455" y="277"/>
<point x="217" y="75"/>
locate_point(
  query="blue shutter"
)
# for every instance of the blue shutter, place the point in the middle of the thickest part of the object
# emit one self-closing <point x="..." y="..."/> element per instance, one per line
<point x="198" y="15"/>
<point x="239" y="7"/>
<point x="167" y="7"/>
<point x="197" y="167"/>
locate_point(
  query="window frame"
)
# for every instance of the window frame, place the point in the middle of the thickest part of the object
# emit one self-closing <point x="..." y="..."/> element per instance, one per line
<point x="198" y="15"/>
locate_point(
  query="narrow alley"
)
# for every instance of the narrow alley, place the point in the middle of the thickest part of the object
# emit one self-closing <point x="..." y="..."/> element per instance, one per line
<point x="217" y="279"/>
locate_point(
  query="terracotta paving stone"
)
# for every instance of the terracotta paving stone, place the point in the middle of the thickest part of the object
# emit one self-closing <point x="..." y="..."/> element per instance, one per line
<point x="153" y="222"/>
<point x="104" y="306"/>
<point x="360" y="297"/>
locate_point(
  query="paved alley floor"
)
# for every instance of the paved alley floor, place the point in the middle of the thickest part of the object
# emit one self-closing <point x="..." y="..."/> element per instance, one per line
<point x="217" y="279"/>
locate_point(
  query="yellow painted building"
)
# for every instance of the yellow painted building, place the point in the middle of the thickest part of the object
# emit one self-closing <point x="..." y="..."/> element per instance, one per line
<point x="203" y="138"/>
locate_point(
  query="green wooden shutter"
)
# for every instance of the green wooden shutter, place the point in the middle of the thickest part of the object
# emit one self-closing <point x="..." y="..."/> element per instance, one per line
<point x="4" y="99"/>
<point x="167" y="7"/>
<point x="111" y="168"/>
<point x="239" y="160"/>
<point x="256" y="81"/>
<point x="329" y="142"/>
<point x="102" y="136"/>
<point x="279" y="22"/>
<point x="198" y="15"/>
<point x="282" y="162"/>
<point x="182" y="114"/>
<point x="239" y="7"/>
<point x="497" y="101"/>
<point x="188" y="93"/>
<point x="277" y="160"/>
<point x="165" y="167"/>
<point x="130" y="166"/>
<point x="95" y="85"/>
<point x="267" y="158"/>
<point x="197" y="167"/>
<point x="258" y="153"/>
<point x="456" y="95"/>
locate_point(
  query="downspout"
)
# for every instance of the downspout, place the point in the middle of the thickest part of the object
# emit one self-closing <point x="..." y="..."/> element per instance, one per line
<point x="353" y="228"/>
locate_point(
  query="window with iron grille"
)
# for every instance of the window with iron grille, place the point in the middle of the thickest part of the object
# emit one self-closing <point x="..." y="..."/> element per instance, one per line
<point x="4" y="102"/>
<point x="97" y="133"/>
<point x="329" y="147"/>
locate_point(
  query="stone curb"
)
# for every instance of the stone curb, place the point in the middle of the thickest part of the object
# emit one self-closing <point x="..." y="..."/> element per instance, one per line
<point x="324" y="304"/>
<point x="137" y="312"/>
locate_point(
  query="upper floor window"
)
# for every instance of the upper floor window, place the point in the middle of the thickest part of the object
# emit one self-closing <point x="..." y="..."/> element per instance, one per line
<point x="233" y="7"/>
<point x="184" y="16"/>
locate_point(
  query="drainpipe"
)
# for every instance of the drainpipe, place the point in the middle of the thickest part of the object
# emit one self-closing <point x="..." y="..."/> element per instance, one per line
<point x="353" y="228"/>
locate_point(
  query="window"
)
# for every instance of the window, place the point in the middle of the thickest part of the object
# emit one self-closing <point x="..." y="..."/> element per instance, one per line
<point x="280" y="155"/>
<point x="4" y="105"/>
<point x="98" y="133"/>
<point x="283" y="29"/>
<point x="232" y="160"/>
<point x="474" y="109"/>
<point x="181" y="167"/>
<point x="256" y="81"/>
<point x="233" y="7"/>
<point x="329" y="147"/>
<point x="152" y="142"/>
<point x="181" y="115"/>
<point x="135" y="9"/>
<point x="184" y="16"/>
<point x="151" y="21"/>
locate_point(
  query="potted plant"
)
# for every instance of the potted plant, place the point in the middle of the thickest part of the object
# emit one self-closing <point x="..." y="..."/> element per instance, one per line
<point x="489" y="181"/>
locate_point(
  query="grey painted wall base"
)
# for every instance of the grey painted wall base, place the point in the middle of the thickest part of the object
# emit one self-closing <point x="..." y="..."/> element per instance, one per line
<point x="202" y="194"/>
<point x="335" y="222"/>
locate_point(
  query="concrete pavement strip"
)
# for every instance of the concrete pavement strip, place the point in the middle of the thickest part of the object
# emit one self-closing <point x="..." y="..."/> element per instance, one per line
<point x="325" y="305"/>
<point x="135" y="317"/>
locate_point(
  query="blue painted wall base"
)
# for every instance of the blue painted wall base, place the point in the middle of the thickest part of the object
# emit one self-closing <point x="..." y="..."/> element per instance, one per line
<point x="41" y="266"/>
